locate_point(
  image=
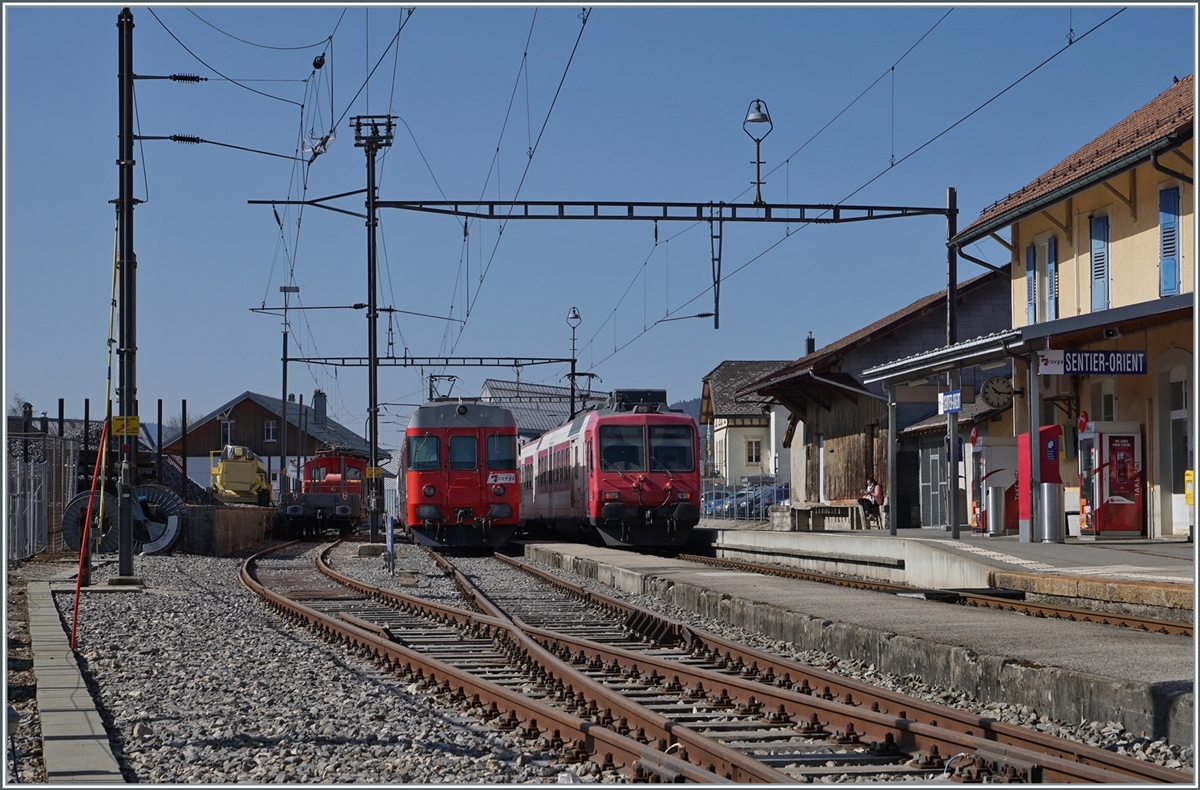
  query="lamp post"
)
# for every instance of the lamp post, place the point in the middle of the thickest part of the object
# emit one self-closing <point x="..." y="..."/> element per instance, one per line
<point x="573" y="321"/>
<point x="757" y="113"/>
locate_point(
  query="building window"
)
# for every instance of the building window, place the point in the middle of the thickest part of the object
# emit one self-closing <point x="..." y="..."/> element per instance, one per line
<point x="270" y="427"/>
<point x="1041" y="279"/>
<point x="1098" y="227"/>
<point x="228" y="429"/>
<point x="1168" y="242"/>
<point x="1104" y="400"/>
<point x="754" y="451"/>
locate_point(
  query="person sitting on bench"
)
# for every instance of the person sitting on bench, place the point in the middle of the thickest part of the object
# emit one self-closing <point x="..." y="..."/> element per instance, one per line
<point x="873" y="497"/>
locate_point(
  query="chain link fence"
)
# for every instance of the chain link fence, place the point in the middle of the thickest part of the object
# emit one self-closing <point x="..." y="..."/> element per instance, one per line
<point x="720" y="500"/>
<point x="42" y="476"/>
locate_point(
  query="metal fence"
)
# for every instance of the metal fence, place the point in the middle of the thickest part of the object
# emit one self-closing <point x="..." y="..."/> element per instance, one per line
<point x="720" y="500"/>
<point x="41" y="473"/>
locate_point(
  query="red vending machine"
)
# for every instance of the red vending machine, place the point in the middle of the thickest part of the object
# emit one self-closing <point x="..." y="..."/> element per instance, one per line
<point x="1111" y="489"/>
<point x="993" y="463"/>
<point x="1051" y="451"/>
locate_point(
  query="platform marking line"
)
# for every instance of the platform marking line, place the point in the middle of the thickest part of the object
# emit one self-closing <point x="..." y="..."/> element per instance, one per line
<point x="1132" y="572"/>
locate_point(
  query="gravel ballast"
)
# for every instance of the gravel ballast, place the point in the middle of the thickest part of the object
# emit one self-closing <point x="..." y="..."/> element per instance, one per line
<point x="198" y="681"/>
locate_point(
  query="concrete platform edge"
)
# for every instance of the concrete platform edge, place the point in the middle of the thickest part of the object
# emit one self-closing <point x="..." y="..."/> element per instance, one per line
<point x="75" y="745"/>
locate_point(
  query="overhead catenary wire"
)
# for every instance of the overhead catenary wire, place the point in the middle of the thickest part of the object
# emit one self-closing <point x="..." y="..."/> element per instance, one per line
<point x="210" y="68"/>
<point x="786" y="163"/>
<point x="886" y="170"/>
<point x="266" y="46"/>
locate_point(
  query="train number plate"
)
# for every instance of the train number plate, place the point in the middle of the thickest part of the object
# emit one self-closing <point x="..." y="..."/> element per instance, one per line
<point x="504" y="477"/>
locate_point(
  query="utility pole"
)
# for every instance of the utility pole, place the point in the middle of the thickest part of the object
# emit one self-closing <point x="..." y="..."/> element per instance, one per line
<point x="951" y="339"/>
<point x="371" y="133"/>
<point x="127" y="336"/>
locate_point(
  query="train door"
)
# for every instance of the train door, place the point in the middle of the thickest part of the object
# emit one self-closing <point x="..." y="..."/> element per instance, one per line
<point x="576" y="475"/>
<point x="462" y="476"/>
<point x="589" y="463"/>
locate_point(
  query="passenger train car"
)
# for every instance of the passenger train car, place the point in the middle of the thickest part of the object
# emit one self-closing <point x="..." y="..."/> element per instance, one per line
<point x="626" y="475"/>
<point x="458" y="488"/>
<point x="330" y="496"/>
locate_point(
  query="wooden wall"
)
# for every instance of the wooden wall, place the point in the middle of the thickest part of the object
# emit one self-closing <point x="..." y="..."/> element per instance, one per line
<point x="855" y="445"/>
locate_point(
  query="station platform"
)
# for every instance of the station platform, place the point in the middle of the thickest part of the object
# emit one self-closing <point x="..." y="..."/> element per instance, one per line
<point x="75" y="744"/>
<point x="1070" y="671"/>
<point x="1152" y="578"/>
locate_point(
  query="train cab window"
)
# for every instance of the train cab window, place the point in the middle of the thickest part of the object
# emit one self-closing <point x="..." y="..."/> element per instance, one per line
<point x="501" y="452"/>
<point x="353" y="473"/>
<point x="423" y="454"/>
<point x="316" y="473"/>
<point x="671" y="448"/>
<point x="463" y="452"/>
<point x="622" y="448"/>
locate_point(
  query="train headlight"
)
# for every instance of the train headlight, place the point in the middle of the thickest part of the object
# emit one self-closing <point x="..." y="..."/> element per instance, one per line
<point x="612" y="495"/>
<point x="427" y="490"/>
<point x="498" y="490"/>
<point x="685" y="495"/>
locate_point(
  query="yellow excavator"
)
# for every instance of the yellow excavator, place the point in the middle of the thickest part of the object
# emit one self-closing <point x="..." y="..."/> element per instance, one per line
<point x="238" y="475"/>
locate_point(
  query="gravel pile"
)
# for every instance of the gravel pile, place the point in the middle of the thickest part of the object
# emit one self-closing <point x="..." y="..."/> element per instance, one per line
<point x="198" y="681"/>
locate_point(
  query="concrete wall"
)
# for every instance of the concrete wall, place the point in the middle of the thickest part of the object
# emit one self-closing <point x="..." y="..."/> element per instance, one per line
<point x="224" y="530"/>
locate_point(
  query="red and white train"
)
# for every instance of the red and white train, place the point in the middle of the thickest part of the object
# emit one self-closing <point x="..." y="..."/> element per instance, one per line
<point x="458" y="486"/>
<point x="626" y="475"/>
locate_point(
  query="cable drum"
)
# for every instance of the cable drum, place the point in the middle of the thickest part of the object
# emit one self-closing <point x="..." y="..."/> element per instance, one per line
<point x="159" y="518"/>
<point x="76" y="512"/>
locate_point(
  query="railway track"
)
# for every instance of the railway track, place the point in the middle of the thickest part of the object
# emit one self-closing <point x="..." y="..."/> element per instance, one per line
<point x="963" y="598"/>
<point x="593" y="681"/>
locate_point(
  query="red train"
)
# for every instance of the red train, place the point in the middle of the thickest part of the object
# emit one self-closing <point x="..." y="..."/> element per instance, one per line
<point x="458" y="488"/>
<point x="626" y="475"/>
<point x="330" y="497"/>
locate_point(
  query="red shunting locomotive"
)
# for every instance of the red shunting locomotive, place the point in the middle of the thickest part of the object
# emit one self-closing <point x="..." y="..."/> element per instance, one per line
<point x="458" y="487"/>
<point x="626" y="475"/>
<point x="331" y="494"/>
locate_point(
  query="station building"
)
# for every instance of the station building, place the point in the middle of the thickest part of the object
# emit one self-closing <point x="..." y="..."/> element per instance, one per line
<point x="1102" y="253"/>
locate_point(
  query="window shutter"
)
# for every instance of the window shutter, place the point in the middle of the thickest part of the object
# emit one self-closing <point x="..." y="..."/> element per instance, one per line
<point x="1030" y="286"/>
<point x="1051" y="279"/>
<point x="1099" y="234"/>
<point x="1168" y="242"/>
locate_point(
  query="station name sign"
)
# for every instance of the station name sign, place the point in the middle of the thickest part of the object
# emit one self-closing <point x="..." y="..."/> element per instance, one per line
<point x="1092" y="363"/>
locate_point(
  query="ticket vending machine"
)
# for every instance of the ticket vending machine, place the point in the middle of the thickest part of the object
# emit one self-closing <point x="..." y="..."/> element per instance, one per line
<point x="1051" y="450"/>
<point x="1111" y="488"/>
<point x="993" y="463"/>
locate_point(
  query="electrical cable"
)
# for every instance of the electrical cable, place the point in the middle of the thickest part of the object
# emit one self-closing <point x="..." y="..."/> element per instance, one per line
<point x="262" y="46"/>
<point x="210" y="68"/>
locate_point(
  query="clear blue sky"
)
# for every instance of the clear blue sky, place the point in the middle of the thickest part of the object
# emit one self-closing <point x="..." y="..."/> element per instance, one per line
<point x="650" y="109"/>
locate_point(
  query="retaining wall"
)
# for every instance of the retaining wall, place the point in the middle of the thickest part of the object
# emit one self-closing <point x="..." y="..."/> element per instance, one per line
<point x="216" y="531"/>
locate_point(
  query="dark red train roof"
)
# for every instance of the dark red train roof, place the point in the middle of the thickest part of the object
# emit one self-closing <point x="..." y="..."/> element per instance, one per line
<point x="461" y="415"/>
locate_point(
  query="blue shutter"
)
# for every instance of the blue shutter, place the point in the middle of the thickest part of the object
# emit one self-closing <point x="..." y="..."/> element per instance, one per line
<point x="1168" y="242"/>
<point x="1030" y="286"/>
<point x="1099" y="233"/>
<point x="1051" y="279"/>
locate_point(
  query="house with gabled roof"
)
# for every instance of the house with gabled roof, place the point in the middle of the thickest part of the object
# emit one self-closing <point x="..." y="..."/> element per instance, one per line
<point x="1103" y="262"/>
<point x="838" y="425"/>
<point x="252" y="420"/>
<point x="745" y="438"/>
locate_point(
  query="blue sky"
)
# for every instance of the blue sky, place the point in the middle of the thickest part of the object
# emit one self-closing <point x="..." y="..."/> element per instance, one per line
<point x="651" y="108"/>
